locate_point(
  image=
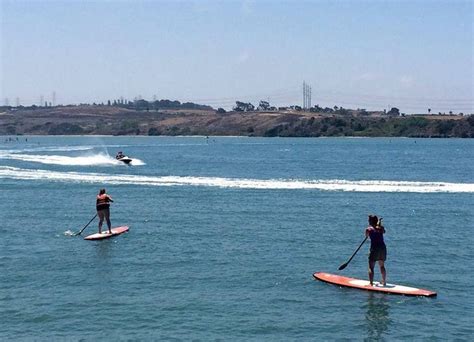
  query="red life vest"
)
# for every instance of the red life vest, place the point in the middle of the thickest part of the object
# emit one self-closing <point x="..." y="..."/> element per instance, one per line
<point x="102" y="202"/>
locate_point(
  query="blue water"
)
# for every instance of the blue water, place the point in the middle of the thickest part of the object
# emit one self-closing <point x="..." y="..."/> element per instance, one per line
<point x="226" y="234"/>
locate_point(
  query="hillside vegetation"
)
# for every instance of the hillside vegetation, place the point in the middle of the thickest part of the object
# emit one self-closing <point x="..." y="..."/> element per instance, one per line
<point x="110" y="120"/>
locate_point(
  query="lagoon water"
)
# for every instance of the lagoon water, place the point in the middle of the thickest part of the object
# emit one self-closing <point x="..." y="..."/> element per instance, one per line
<point x="226" y="234"/>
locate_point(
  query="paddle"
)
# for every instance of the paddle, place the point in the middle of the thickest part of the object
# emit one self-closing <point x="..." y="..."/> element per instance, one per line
<point x="92" y="219"/>
<point x="343" y="266"/>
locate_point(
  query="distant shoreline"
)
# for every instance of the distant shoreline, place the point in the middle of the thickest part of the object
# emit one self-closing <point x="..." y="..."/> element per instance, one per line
<point x="21" y="136"/>
<point x="115" y="121"/>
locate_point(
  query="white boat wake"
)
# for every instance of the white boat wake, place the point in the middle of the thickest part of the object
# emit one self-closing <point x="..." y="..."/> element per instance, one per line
<point x="98" y="159"/>
<point x="7" y="172"/>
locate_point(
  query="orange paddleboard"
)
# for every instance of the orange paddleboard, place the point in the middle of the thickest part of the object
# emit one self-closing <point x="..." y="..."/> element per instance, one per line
<point x="377" y="287"/>
<point x="105" y="233"/>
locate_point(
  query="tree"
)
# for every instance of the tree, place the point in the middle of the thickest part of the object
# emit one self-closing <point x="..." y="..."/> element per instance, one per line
<point x="470" y="120"/>
<point x="343" y="111"/>
<point x="239" y="106"/>
<point x="167" y="104"/>
<point x="220" y="110"/>
<point x="264" y="105"/>
<point x="154" y="131"/>
<point x="394" y="111"/>
<point x="243" y="106"/>
<point x="429" y="110"/>
<point x="141" y="105"/>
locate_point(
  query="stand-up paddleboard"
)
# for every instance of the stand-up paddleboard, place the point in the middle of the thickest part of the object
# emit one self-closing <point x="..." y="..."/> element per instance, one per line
<point x="377" y="287"/>
<point x="105" y="233"/>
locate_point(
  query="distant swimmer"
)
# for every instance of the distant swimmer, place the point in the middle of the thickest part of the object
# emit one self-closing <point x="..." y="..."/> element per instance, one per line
<point x="103" y="211"/>
<point x="378" y="250"/>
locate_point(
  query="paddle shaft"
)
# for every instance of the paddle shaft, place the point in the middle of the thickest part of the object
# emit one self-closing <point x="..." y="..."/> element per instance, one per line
<point x="343" y="266"/>
<point x="92" y="219"/>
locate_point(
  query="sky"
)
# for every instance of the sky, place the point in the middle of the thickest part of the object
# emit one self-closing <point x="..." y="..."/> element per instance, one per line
<point x="412" y="55"/>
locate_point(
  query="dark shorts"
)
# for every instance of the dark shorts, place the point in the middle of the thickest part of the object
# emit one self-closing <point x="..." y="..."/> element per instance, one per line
<point x="102" y="207"/>
<point x="378" y="253"/>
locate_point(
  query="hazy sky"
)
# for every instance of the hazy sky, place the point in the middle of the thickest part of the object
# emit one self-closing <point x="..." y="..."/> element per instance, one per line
<point x="413" y="55"/>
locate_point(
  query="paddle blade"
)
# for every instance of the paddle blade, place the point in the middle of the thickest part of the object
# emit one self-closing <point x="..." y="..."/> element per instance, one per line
<point x="343" y="266"/>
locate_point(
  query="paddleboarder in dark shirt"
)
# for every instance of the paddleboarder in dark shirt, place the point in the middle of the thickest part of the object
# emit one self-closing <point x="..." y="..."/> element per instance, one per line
<point x="378" y="250"/>
<point x="103" y="211"/>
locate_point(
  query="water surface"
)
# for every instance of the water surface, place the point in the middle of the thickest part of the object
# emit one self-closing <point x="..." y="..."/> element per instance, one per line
<point x="226" y="234"/>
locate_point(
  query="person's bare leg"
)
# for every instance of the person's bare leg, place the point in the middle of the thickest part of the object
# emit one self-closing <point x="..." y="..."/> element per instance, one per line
<point x="371" y="272"/>
<point x="383" y="271"/>
<point x="107" y="217"/>
<point x="101" y="220"/>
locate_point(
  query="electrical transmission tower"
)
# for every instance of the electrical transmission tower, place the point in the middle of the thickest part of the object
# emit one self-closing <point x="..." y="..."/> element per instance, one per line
<point x="306" y="96"/>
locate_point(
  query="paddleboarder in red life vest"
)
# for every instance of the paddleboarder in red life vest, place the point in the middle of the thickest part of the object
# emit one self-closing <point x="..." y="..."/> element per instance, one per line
<point x="103" y="211"/>
<point x="378" y="250"/>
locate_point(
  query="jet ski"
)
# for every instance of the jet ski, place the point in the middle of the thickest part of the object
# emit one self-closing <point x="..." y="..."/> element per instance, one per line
<point x="123" y="158"/>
